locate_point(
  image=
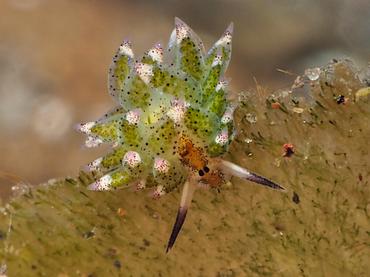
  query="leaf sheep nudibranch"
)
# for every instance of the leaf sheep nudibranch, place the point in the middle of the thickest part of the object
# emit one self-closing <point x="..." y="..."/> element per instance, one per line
<point x="172" y="123"/>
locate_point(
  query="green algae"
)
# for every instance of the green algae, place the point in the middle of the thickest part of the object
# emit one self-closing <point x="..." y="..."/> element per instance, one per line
<point x="320" y="227"/>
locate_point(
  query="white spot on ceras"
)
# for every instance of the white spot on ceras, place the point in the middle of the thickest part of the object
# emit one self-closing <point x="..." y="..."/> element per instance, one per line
<point x="158" y="192"/>
<point x="228" y="115"/>
<point x="224" y="40"/>
<point x="133" y="117"/>
<point x="222" y="138"/>
<point x="182" y="31"/>
<point x="161" y="165"/>
<point x="140" y="185"/>
<point x="104" y="183"/>
<point x="217" y="60"/>
<point x="94" y="165"/>
<point x="177" y="110"/>
<point x="132" y="158"/>
<point x="221" y="85"/>
<point x="125" y="49"/>
<point x="145" y="71"/>
<point x="85" y="127"/>
<point x="156" y="53"/>
<point x="93" y="142"/>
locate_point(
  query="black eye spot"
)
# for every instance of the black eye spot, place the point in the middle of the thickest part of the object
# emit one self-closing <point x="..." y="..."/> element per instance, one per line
<point x="201" y="173"/>
<point x="206" y="169"/>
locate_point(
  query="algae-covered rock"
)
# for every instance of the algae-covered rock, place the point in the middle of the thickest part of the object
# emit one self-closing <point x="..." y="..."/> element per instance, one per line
<point x="320" y="227"/>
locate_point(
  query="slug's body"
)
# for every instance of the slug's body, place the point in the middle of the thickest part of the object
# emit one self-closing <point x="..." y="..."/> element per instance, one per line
<point x="173" y="121"/>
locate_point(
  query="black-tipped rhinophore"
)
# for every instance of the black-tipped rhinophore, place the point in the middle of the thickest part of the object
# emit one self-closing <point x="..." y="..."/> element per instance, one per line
<point x="187" y="195"/>
<point x="243" y="173"/>
<point x="263" y="181"/>
<point x="180" y="218"/>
